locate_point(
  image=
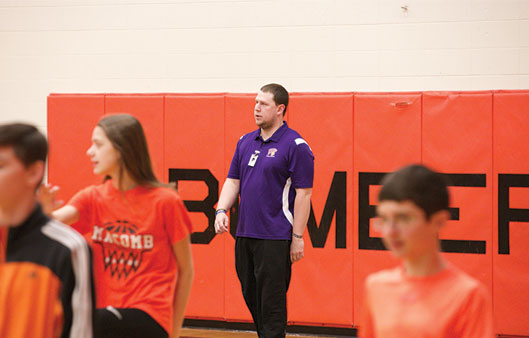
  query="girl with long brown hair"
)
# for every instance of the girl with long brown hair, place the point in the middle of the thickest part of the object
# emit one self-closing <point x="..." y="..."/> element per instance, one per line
<point x="139" y="231"/>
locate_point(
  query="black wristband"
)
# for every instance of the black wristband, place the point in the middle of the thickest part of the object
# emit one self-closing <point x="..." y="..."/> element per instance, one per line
<point x="219" y="211"/>
<point x="296" y="235"/>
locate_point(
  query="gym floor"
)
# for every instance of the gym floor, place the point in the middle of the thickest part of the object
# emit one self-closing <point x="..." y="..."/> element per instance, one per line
<point x="210" y="333"/>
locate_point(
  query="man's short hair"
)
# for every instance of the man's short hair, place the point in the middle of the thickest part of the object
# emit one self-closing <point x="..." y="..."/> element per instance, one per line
<point x="28" y="143"/>
<point x="416" y="183"/>
<point x="279" y="92"/>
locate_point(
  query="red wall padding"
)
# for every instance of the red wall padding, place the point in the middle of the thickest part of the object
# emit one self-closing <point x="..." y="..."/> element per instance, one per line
<point x="511" y="156"/>
<point x="457" y="138"/>
<point x="479" y="138"/>
<point x="202" y="117"/>
<point x="387" y="135"/>
<point x="323" y="271"/>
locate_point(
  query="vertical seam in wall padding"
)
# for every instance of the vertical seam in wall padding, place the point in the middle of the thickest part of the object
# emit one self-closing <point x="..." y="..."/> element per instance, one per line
<point x="225" y="174"/>
<point x="164" y="168"/>
<point x="492" y="202"/>
<point x="422" y="118"/>
<point x="352" y="185"/>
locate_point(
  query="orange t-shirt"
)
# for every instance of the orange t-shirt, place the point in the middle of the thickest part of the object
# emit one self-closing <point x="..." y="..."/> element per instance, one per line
<point x="131" y="234"/>
<point x="447" y="304"/>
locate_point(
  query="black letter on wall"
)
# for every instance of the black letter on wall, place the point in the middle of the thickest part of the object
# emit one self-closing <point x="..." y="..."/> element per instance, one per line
<point x="464" y="246"/>
<point x="336" y="203"/>
<point x="506" y="214"/>
<point x="367" y="211"/>
<point x="206" y="206"/>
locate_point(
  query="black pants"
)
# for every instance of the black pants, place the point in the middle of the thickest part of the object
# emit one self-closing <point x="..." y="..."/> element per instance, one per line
<point x="264" y="268"/>
<point x="126" y="323"/>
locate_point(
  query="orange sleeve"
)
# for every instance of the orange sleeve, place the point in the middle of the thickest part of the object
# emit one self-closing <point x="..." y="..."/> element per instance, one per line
<point x="366" y="329"/>
<point x="176" y="219"/>
<point x="81" y="202"/>
<point x="476" y="320"/>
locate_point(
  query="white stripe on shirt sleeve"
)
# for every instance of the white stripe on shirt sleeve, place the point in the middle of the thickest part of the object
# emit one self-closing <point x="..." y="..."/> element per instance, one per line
<point x="82" y="293"/>
<point x="286" y="210"/>
<point x="299" y="141"/>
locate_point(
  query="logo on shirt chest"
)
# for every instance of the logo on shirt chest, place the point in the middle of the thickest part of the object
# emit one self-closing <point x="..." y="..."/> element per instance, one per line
<point x="271" y="152"/>
<point x="121" y="247"/>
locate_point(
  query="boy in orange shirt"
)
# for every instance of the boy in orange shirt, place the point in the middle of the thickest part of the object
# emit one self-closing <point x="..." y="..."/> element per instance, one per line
<point x="426" y="296"/>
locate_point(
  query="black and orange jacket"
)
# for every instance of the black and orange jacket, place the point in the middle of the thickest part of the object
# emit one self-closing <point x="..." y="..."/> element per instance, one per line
<point x="46" y="286"/>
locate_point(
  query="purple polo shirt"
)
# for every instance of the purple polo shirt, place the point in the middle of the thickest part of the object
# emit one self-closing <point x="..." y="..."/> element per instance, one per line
<point x="269" y="172"/>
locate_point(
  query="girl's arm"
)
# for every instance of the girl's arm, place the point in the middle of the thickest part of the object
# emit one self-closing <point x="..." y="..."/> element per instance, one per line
<point x="68" y="214"/>
<point x="184" y="261"/>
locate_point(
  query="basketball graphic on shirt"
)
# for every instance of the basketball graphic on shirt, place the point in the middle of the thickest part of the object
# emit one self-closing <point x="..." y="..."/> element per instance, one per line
<point x="122" y="247"/>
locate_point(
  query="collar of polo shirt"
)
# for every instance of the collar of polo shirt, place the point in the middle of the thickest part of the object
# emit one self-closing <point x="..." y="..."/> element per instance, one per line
<point x="275" y="136"/>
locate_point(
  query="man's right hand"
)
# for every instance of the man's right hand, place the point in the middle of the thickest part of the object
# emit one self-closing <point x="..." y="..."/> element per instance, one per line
<point x="221" y="223"/>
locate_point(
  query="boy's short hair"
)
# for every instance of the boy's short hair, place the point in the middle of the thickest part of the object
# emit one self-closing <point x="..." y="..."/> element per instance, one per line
<point x="416" y="183"/>
<point x="279" y="92"/>
<point x="27" y="141"/>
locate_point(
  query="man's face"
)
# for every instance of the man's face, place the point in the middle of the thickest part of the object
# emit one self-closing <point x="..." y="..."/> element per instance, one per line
<point x="266" y="112"/>
<point x="16" y="180"/>
<point x="405" y="229"/>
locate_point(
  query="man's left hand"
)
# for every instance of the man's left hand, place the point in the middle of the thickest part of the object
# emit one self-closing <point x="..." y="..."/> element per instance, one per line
<point x="296" y="249"/>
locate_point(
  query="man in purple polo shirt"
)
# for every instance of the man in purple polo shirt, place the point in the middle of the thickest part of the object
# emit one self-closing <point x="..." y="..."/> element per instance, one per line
<point x="272" y="170"/>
